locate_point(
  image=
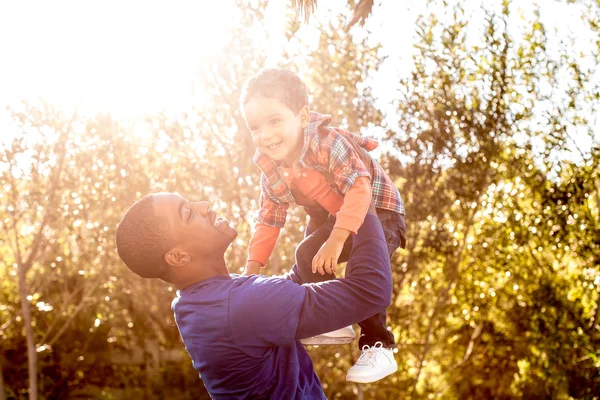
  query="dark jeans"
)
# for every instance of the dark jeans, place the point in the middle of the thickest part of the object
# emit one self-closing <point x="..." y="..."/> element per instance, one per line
<point x="373" y="329"/>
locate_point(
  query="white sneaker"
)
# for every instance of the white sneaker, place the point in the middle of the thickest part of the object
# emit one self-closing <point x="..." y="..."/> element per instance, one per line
<point x="375" y="363"/>
<point x="341" y="336"/>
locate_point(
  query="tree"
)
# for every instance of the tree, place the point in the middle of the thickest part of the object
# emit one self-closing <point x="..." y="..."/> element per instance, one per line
<point x="361" y="12"/>
<point x="467" y="108"/>
<point x="497" y="295"/>
<point x="31" y="210"/>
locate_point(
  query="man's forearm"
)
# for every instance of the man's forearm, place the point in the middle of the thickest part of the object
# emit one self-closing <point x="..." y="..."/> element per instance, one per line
<point x="366" y="290"/>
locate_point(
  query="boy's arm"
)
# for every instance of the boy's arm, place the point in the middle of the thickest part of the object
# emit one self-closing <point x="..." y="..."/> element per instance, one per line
<point x="260" y="247"/>
<point x="351" y="168"/>
<point x="355" y="206"/>
<point x="270" y="219"/>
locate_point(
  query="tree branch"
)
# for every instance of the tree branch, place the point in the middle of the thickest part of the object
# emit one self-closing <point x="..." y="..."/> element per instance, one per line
<point x="60" y="149"/>
<point x="72" y="315"/>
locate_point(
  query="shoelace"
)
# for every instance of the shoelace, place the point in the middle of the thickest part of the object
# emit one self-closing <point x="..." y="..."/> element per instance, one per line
<point x="369" y="352"/>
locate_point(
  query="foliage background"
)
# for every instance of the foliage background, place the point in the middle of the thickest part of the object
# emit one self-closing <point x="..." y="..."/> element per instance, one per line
<point x="492" y="139"/>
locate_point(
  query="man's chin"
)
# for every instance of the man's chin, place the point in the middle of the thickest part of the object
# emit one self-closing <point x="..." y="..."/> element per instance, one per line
<point x="230" y="232"/>
<point x="234" y="234"/>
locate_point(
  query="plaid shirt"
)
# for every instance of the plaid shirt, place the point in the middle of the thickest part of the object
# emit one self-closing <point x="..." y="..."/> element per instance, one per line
<point x="330" y="151"/>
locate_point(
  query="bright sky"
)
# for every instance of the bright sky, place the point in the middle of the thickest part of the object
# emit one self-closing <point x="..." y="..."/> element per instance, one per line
<point x="127" y="57"/>
<point x="136" y="57"/>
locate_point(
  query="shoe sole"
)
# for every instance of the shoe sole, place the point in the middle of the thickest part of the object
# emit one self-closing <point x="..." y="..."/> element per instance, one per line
<point x="318" y="341"/>
<point x="373" y="378"/>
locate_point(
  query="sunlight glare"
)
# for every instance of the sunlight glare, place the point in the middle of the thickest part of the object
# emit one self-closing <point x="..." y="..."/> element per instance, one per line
<point x="128" y="58"/>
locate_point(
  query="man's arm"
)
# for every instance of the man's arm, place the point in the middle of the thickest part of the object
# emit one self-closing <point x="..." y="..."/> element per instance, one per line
<point x="366" y="290"/>
<point x="271" y="311"/>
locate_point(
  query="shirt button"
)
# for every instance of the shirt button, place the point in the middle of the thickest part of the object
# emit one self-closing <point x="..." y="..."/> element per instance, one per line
<point x="286" y="174"/>
<point x="304" y="174"/>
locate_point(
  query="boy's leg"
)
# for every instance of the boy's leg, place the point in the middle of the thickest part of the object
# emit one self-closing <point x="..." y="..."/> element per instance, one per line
<point x="308" y="248"/>
<point x="374" y="329"/>
<point x="377" y="360"/>
<point x="302" y="273"/>
<point x="317" y="216"/>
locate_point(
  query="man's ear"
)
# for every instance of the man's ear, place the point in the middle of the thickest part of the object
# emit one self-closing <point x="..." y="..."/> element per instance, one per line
<point x="304" y="116"/>
<point x="177" y="258"/>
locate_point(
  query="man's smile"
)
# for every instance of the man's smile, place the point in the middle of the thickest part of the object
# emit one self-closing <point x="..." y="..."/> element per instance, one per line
<point x="219" y="221"/>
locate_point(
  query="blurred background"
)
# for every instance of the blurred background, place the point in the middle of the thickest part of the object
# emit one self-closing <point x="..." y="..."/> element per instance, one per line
<point x="488" y="117"/>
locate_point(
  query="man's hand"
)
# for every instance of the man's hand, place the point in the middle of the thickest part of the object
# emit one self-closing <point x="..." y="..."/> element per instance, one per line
<point x="252" y="268"/>
<point x="326" y="259"/>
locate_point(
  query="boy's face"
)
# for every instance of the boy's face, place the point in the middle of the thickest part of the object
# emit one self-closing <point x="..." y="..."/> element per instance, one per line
<point x="276" y="130"/>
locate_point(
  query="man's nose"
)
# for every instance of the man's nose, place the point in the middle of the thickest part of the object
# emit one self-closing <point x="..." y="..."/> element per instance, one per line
<point x="202" y="207"/>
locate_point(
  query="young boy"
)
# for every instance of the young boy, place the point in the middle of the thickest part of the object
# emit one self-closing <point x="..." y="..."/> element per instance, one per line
<point x="296" y="151"/>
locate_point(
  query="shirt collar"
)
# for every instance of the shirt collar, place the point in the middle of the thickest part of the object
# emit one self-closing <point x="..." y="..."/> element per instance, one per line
<point x="194" y="286"/>
<point x="318" y="126"/>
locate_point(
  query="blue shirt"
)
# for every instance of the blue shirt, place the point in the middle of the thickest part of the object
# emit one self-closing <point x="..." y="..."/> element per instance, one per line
<point x="242" y="332"/>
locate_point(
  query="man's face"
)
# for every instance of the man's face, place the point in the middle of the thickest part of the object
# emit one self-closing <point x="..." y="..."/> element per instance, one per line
<point x="276" y="130"/>
<point x="195" y="228"/>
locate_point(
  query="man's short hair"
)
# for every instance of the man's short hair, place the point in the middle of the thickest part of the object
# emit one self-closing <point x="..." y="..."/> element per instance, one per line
<point x="280" y="84"/>
<point x="143" y="239"/>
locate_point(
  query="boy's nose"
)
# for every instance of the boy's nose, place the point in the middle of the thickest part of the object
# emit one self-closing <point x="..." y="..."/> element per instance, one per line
<point x="266" y="134"/>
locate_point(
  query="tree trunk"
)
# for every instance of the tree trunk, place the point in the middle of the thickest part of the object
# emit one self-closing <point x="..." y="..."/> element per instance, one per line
<point x="2" y="393"/>
<point x="31" y="354"/>
<point x="360" y="395"/>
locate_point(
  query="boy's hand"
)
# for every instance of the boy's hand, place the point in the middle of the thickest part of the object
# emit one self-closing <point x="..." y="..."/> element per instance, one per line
<point x="252" y="268"/>
<point x="326" y="259"/>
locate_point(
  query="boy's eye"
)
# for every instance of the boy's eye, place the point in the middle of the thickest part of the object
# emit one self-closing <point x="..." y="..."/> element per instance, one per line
<point x="275" y="121"/>
<point x="253" y="129"/>
<point x="190" y="214"/>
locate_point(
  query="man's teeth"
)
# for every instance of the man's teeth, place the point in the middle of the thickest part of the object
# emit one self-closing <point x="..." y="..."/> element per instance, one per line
<point x="219" y="220"/>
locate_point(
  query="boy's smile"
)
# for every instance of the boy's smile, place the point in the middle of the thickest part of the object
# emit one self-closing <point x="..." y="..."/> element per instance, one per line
<point x="276" y="130"/>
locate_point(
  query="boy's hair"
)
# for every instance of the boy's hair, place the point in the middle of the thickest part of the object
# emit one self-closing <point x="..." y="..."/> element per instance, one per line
<point x="280" y="84"/>
<point x="143" y="239"/>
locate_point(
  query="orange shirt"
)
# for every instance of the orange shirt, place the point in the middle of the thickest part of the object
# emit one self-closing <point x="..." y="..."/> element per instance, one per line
<point x="350" y="210"/>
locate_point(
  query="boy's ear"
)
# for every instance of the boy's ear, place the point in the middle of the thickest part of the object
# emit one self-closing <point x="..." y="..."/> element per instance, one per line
<point x="304" y="116"/>
<point x="177" y="258"/>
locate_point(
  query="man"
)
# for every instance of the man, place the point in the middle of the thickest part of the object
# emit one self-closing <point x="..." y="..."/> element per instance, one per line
<point x="243" y="332"/>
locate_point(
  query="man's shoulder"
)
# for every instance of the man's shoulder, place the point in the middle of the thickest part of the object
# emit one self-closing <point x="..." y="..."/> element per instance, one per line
<point x="260" y="282"/>
<point x="264" y="311"/>
<point x="209" y="290"/>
